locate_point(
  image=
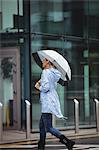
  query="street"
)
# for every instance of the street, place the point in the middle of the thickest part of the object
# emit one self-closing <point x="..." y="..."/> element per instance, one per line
<point x="56" y="147"/>
<point x="81" y="144"/>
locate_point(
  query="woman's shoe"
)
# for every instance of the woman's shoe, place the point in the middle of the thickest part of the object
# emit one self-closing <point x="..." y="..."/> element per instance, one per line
<point x="41" y="145"/>
<point x="69" y="143"/>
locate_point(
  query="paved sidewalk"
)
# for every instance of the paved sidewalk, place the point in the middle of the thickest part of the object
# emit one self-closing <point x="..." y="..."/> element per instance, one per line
<point x="59" y="146"/>
<point x="54" y="147"/>
<point x="13" y="136"/>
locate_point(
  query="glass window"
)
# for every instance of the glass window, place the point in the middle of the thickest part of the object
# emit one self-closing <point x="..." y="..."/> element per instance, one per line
<point x="11" y="15"/>
<point x="61" y="17"/>
<point x="78" y="55"/>
<point x="94" y="76"/>
<point x="14" y="16"/>
<point x="66" y="26"/>
<point x="6" y="89"/>
<point x="93" y="21"/>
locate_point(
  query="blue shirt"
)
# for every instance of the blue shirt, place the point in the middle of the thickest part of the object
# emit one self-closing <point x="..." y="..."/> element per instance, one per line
<point x="48" y="95"/>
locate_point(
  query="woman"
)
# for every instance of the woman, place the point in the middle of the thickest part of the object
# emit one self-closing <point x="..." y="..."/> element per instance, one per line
<point x="50" y="104"/>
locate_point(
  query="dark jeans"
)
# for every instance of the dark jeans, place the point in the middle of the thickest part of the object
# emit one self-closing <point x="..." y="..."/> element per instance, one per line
<point x="46" y="126"/>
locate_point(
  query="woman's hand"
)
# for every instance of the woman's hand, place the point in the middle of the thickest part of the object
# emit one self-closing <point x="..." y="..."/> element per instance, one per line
<point x="37" y="85"/>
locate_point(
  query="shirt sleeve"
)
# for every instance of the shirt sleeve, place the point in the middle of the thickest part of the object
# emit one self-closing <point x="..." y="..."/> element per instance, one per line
<point x="44" y="87"/>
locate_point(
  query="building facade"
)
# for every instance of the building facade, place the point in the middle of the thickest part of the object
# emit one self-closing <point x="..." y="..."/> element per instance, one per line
<point x="67" y="26"/>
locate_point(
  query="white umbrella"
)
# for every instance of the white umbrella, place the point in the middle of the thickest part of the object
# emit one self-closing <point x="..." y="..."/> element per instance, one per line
<point x="58" y="60"/>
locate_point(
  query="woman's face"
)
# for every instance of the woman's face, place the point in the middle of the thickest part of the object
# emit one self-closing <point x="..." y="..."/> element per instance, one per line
<point x="45" y="63"/>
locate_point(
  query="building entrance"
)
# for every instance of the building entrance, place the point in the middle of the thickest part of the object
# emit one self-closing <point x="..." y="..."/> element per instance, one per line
<point x="10" y="87"/>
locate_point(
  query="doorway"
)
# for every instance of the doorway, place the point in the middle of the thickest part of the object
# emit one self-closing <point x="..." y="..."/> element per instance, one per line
<point x="10" y="87"/>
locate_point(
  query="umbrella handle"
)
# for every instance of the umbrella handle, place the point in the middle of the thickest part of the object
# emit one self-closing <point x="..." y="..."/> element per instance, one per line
<point x="62" y="82"/>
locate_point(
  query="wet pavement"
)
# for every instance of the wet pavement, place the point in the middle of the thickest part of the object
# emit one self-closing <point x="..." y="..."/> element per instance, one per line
<point x="58" y="147"/>
<point x="90" y="143"/>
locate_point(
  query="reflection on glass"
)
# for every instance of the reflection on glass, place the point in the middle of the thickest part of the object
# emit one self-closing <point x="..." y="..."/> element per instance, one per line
<point x="51" y="28"/>
<point x="6" y="90"/>
<point x="84" y="83"/>
<point x="61" y="17"/>
<point x="93" y="18"/>
<point x="36" y="71"/>
<point x="10" y="12"/>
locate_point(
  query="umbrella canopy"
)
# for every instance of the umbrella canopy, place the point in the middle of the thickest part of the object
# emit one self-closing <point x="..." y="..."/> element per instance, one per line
<point x="58" y="60"/>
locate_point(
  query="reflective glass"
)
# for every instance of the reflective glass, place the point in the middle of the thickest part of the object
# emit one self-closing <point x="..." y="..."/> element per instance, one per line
<point x="94" y="77"/>
<point x="69" y="17"/>
<point x="14" y="18"/>
<point x="93" y="21"/>
<point x="11" y="15"/>
<point x="66" y="26"/>
<point x="6" y="91"/>
<point x="60" y="17"/>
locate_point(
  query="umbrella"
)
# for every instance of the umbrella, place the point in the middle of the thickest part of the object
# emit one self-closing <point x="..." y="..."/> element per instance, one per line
<point x="58" y="60"/>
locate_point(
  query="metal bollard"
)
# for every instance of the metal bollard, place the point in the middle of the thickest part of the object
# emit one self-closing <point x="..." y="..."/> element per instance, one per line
<point x="28" y="119"/>
<point x="1" y="128"/>
<point x="97" y="115"/>
<point x="76" y="116"/>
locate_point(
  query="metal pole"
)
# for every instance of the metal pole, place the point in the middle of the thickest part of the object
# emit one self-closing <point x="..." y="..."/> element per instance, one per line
<point x="76" y="116"/>
<point x="1" y="128"/>
<point x="97" y="115"/>
<point x="28" y="119"/>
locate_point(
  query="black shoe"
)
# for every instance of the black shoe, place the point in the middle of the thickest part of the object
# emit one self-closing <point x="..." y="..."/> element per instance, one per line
<point x="41" y="146"/>
<point x="70" y="144"/>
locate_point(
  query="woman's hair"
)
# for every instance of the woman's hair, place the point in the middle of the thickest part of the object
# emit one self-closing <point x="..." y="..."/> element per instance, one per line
<point x="51" y="63"/>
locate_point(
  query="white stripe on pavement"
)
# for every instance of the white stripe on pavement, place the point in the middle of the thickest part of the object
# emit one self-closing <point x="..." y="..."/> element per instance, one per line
<point x="61" y="147"/>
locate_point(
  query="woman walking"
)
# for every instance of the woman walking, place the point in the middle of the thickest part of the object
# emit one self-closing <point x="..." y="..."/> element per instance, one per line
<point x="50" y="104"/>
